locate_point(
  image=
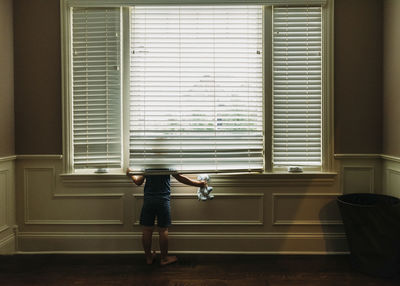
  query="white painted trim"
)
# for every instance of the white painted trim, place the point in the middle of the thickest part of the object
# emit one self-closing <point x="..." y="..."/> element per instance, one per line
<point x="4" y="228"/>
<point x="328" y="62"/>
<point x="210" y="242"/>
<point x="193" y="234"/>
<point x="128" y="252"/>
<point x="125" y="78"/>
<point x="72" y="222"/>
<point x="66" y="64"/>
<point x="117" y="3"/>
<point x="267" y="87"/>
<point x="10" y="239"/>
<point x="336" y="156"/>
<point x="8" y="158"/>
<point x="39" y="157"/>
<point x="328" y="103"/>
<point x="357" y="156"/>
<point x="262" y="179"/>
<point x="390" y="158"/>
<point x="88" y="195"/>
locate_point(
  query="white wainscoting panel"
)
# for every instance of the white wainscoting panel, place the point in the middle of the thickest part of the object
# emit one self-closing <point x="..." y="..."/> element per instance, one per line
<point x="251" y="213"/>
<point x="7" y="205"/>
<point x="391" y="176"/>
<point x="42" y="206"/>
<point x="3" y="199"/>
<point x="360" y="173"/>
<point x="224" y="209"/>
<point x="358" y="179"/>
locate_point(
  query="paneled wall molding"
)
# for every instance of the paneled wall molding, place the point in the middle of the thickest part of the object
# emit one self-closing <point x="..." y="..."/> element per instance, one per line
<point x="360" y="173"/>
<point x="95" y="180"/>
<point x="28" y="173"/>
<point x="237" y="200"/>
<point x="238" y="220"/>
<point x="316" y="205"/>
<point x="35" y="176"/>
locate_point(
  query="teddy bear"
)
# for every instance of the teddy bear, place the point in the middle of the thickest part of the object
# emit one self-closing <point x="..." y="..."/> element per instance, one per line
<point x="203" y="193"/>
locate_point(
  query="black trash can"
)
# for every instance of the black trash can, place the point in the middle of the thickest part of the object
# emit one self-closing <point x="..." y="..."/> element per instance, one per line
<point x="372" y="225"/>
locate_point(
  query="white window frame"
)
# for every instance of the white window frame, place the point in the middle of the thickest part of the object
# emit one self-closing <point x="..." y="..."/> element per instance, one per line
<point x="327" y="72"/>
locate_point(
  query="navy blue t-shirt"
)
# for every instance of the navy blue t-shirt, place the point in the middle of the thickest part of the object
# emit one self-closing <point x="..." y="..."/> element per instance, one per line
<point x="157" y="186"/>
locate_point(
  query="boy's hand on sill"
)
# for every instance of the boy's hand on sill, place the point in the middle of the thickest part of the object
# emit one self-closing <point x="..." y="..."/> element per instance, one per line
<point x="128" y="170"/>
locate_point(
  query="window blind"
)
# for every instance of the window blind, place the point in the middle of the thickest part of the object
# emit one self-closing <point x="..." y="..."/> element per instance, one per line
<point x="297" y="85"/>
<point x="196" y="88"/>
<point x="96" y="88"/>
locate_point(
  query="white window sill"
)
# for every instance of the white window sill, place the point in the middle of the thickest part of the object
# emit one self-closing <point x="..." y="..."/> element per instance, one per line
<point x="242" y="179"/>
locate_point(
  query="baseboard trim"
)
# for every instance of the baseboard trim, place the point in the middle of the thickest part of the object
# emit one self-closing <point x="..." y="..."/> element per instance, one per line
<point x="140" y="252"/>
<point x="209" y="243"/>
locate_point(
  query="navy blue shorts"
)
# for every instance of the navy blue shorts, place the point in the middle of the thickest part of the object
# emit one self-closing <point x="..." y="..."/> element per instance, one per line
<point x="156" y="207"/>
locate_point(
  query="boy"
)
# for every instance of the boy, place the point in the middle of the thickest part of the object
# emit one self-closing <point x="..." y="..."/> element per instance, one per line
<point x="156" y="203"/>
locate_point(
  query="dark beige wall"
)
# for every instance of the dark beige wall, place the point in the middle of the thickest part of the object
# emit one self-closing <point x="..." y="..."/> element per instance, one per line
<point x="37" y="77"/>
<point x="358" y="64"/>
<point x="358" y="76"/>
<point x="391" y="78"/>
<point x="6" y="79"/>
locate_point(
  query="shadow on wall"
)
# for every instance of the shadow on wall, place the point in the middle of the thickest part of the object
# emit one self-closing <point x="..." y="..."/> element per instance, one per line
<point x="325" y="213"/>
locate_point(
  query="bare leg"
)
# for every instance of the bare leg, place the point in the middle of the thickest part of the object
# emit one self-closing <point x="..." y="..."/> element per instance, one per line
<point x="165" y="259"/>
<point x="147" y="236"/>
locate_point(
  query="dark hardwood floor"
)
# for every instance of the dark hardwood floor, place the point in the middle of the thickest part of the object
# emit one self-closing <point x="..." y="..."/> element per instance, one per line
<point x="190" y="270"/>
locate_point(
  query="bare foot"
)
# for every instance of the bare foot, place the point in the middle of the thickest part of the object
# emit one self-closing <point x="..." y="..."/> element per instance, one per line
<point x="168" y="260"/>
<point x="150" y="259"/>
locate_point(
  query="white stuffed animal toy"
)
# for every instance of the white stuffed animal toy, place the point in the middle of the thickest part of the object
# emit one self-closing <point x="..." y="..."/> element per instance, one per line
<point x="203" y="193"/>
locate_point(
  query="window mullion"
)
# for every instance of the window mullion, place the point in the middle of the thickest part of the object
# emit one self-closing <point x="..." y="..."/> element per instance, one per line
<point x="267" y="84"/>
<point x="125" y="52"/>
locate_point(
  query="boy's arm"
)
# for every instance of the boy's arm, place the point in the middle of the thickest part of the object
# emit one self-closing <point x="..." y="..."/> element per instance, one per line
<point x="188" y="181"/>
<point x="137" y="179"/>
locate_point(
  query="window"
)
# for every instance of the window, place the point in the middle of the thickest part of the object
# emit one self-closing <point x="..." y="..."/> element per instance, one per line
<point x="96" y="88"/>
<point x="297" y="86"/>
<point x="194" y="88"/>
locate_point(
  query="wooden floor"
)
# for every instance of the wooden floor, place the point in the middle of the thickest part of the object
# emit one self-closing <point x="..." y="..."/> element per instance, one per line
<point x="190" y="270"/>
